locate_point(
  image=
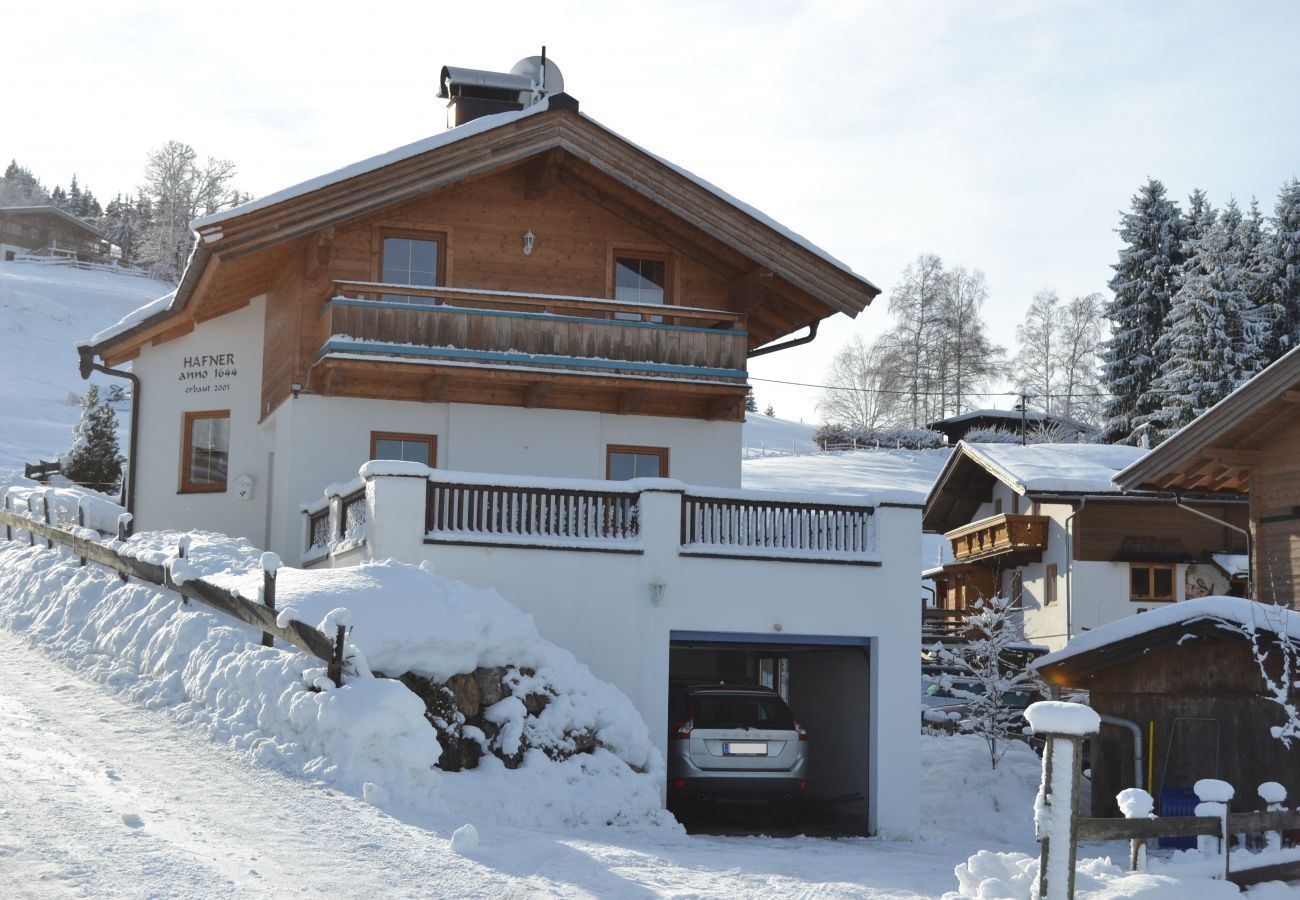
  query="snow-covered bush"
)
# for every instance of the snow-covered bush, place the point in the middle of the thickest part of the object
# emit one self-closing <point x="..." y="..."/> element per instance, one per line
<point x="831" y="436"/>
<point x="992" y="436"/>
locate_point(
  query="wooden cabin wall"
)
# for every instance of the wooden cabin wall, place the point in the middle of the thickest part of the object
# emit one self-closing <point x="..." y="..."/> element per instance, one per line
<point x="1276" y="497"/>
<point x="1202" y="679"/>
<point x="1102" y="527"/>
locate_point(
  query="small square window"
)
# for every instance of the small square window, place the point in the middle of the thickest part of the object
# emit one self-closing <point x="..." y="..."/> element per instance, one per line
<point x="641" y="278"/>
<point x="206" y="452"/>
<point x="1049" y="586"/>
<point x="415" y="258"/>
<point x="1151" y="581"/>
<point x="623" y="463"/>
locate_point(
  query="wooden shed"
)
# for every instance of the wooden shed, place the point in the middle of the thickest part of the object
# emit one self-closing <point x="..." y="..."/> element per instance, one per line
<point x="1182" y="698"/>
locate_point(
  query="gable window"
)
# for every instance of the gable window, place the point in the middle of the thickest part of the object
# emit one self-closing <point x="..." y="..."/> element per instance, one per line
<point x="622" y="463"/>
<point x="641" y="278"/>
<point x="415" y="258"/>
<point x="206" y="454"/>
<point x="1049" y="586"/>
<point x="1151" y="581"/>
<point x="421" y="448"/>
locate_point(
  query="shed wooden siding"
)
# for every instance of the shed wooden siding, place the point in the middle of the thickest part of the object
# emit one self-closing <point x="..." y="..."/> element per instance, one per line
<point x="1275" y="501"/>
<point x="1202" y="678"/>
<point x="484" y="221"/>
<point x="1101" y="529"/>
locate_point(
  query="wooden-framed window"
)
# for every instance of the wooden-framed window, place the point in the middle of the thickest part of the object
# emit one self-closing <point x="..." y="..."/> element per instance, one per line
<point x="421" y="448"/>
<point x="642" y="276"/>
<point x="205" y="454"/>
<point x="624" y="462"/>
<point x="1018" y="589"/>
<point x="1049" y="586"/>
<point x="1151" y="581"/>
<point x="413" y="257"/>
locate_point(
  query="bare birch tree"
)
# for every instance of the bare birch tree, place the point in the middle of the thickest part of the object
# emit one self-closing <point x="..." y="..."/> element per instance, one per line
<point x="862" y="387"/>
<point x="916" y="305"/>
<point x="1036" y="373"/>
<point x="180" y="191"/>
<point x="970" y="359"/>
<point x="1078" y="347"/>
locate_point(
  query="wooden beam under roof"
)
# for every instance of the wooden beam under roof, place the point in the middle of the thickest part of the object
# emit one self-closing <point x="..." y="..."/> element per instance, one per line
<point x="1234" y="456"/>
<point x="543" y="171"/>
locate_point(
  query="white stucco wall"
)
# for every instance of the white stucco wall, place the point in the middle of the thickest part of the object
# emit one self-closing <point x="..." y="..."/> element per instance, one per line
<point x="599" y="606"/>
<point x="169" y="388"/>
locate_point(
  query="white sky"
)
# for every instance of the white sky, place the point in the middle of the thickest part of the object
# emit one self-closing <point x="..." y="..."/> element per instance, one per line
<point x="1003" y="136"/>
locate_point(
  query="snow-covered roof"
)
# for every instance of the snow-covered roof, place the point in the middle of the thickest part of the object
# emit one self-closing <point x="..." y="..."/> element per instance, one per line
<point x="1069" y="468"/>
<point x="135" y="317"/>
<point x="1234" y="565"/>
<point x="53" y="211"/>
<point x="479" y="126"/>
<point x="1233" y="612"/>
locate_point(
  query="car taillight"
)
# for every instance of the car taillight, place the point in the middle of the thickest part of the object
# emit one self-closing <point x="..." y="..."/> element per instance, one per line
<point x="681" y="731"/>
<point x="803" y="735"/>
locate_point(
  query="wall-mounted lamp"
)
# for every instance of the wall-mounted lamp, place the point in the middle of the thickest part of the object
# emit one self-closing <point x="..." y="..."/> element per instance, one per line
<point x="529" y="240"/>
<point x="296" y="388"/>
<point x="657" y="589"/>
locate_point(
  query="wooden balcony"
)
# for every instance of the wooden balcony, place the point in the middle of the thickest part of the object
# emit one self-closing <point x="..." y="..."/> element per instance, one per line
<point x="531" y="350"/>
<point x="1011" y="539"/>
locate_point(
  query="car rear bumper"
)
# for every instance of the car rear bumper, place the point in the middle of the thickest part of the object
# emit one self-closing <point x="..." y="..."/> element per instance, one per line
<point x="739" y="787"/>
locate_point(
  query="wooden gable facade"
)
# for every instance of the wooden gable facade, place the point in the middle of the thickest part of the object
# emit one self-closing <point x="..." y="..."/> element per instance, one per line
<point x="1249" y="444"/>
<point x="503" y="326"/>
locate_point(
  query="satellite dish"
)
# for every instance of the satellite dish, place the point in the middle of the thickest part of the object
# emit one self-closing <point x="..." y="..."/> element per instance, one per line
<point x="550" y="82"/>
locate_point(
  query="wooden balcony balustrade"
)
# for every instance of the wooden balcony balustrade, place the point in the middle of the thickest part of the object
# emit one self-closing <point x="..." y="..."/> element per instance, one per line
<point x="1019" y="537"/>
<point x="537" y="330"/>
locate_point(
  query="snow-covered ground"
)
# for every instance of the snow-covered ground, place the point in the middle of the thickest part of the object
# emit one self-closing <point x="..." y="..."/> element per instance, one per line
<point x="772" y="436"/>
<point x="44" y="312"/>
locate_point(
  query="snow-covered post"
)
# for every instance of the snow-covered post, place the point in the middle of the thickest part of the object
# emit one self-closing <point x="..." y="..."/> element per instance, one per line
<point x="1274" y="795"/>
<point x="1136" y="803"/>
<point x="9" y="532"/>
<point x="31" y="514"/>
<point x="124" y="526"/>
<point x="1214" y="796"/>
<point x="81" y="522"/>
<point x="45" y="517"/>
<point x="270" y="566"/>
<point x="1056" y="809"/>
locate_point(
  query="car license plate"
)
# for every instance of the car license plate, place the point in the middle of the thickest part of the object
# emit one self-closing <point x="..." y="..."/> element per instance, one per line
<point x="735" y="748"/>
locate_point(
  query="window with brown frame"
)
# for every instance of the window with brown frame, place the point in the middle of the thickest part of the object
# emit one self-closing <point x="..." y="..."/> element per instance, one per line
<point x="1151" y="581"/>
<point x="1049" y="586"/>
<point x="622" y="462"/>
<point x="642" y="277"/>
<point x="205" y="457"/>
<point x="417" y="258"/>
<point x="421" y="448"/>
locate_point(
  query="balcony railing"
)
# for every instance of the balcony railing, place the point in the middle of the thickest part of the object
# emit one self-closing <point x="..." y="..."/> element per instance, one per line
<point x="468" y="325"/>
<point x="997" y="536"/>
<point x="533" y="516"/>
<point x="742" y="526"/>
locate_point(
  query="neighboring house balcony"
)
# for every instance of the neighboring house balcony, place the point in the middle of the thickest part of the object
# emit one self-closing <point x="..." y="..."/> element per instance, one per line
<point x="531" y="350"/>
<point x="1007" y="538"/>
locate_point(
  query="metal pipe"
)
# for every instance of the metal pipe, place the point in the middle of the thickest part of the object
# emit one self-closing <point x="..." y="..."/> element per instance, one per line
<point x="806" y="339"/>
<point x="89" y="365"/>
<point x="1069" y="568"/>
<point x="1137" y="744"/>
<point x="1250" y="550"/>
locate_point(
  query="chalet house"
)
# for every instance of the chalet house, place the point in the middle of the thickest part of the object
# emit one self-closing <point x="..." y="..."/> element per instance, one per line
<point x="956" y="428"/>
<point x="1181" y="698"/>
<point x="1248" y="444"/>
<point x="1046" y="525"/>
<point x="518" y="350"/>
<point x="29" y="229"/>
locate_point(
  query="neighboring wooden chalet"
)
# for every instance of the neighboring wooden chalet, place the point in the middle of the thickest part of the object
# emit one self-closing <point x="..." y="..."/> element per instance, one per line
<point x="1182" y="698"/>
<point x="1045" y="524"/>
<point x="48" y="229"/>
<point x="955" y="428"/>
<point x="1249" y="443"/>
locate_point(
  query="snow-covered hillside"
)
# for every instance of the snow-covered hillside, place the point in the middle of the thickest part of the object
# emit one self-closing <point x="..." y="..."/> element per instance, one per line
<point x="770" y="436"/>
<point x="44" y="312"/>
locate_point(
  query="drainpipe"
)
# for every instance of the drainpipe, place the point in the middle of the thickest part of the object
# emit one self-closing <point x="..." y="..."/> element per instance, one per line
<point x="1137" y="744"/>
<point x="89" y="365"/>
<point x="1069" y="567"/>
<point x="794" y="342"/>
<point x="1250" y="550"/>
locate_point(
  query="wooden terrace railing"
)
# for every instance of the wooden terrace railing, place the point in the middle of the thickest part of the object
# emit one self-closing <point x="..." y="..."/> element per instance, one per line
<point x="555" y="330"/>
<point x="531" y="515"/>
<point x="998" y="535"/>
<point x="744" y="527"/>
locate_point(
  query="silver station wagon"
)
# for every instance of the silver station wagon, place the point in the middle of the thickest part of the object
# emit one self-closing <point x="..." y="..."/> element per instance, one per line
<point x="737" y="743"/>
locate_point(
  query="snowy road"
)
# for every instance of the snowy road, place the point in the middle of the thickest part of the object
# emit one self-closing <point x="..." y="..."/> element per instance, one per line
<point x="99" y="797"/>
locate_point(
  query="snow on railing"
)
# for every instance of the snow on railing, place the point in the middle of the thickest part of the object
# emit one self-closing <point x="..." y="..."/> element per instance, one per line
<point x="735" y="525"/>
<point x="459" y="511"/>
<point x="337" y="521"/>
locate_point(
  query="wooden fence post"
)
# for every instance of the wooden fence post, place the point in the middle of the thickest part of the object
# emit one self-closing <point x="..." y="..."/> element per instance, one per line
<point x="335" y="670"/>
<point x="1064" y="725"/>
<point x="123" y="526"/>
<point x="1215" y="796"/>
<point x="1136" y="803"/>
<point x="1274" y="795"/>
<point x="45" y="515"/>
<point x="81" y="523"/>
<point x="9" y="532"/>
<point x="270" y="567"/>
<point x="31" y="511"/>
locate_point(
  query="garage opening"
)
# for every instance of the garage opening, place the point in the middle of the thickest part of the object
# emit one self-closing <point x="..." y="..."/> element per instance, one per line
<point x="826" y="681"/>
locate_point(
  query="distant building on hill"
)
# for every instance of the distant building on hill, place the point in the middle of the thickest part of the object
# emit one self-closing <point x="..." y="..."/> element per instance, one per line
<point x="32" y="229"/>
<point x="955" y="428"/>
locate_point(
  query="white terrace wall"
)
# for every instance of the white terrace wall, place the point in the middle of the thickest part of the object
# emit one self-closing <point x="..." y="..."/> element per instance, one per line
<point x="316" y="438"/>
<point x="602" y="606"/>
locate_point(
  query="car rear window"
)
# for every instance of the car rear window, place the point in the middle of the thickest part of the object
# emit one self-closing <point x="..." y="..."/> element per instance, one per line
<point x="741" y="711"/>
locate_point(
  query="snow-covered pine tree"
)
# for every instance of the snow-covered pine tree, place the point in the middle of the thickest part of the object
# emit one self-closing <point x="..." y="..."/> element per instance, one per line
<point x="74" y="197"/>
<point x="1210" y="343"/>
<point x="19" y="187"/>
<point x="94" y="459"/>
<point x="770" y="411"/>
<point x="59" y="197"/>
<point x="1264" y="315"/>
<point x="1279" y="264"/>
<point x="1143" y="285"/>
<point x="751" y="405"/>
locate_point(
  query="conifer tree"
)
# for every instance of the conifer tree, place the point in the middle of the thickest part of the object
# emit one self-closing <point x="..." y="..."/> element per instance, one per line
<point x="19" y="187"/>
<point x="1143" y="285"/>
<point x="94" y="459"/>
<point x="751" y="404"/>
<point x="1279" y="264"/>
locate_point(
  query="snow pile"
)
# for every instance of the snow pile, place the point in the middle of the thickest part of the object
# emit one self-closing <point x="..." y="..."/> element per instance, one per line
<point x="964" y="799"/>
<point x="370" y="738"/>
<point x="1059" y="717"/>
<point x="1013" y="876"/>
<point x="29" y="498"/>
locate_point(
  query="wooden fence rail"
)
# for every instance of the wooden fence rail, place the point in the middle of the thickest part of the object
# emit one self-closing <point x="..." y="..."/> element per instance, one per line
<point x="295" y="633"/>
